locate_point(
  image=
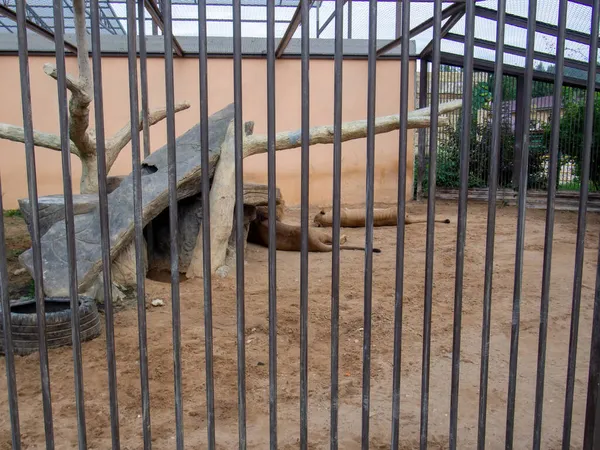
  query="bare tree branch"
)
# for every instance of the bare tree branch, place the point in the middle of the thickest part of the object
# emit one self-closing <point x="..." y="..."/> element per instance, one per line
<point x="46" y="140"/>
<point x="115" y="144"/>
<point x="419" y="118"/>
<point x="72" y="84"/>
<point x="79" y="111"/>
<point x="83" y="58"/>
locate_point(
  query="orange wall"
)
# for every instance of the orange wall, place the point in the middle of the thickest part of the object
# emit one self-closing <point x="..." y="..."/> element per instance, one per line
<point x="220" y="79"/>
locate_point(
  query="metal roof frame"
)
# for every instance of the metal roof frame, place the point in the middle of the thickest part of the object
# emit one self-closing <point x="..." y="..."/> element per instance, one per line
<point x="452" y="15"/>
<point x="540" y="56"/>
<point x="508" y="69"/>
<point x="40" y="11"/>
<point x="154" y="11"/>
<point x="40" y="28"/>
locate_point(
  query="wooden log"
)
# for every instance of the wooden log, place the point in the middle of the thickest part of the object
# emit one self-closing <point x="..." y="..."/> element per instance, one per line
<point x="222" y="204"/>
<point x="286" y="140"/>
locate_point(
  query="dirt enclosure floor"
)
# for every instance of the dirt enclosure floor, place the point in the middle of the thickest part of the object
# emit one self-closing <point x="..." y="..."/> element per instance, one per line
<point x="351" y="341"/>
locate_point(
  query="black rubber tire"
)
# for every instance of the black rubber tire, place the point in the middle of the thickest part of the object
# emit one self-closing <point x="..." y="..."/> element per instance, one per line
<point x="58" y="325"/>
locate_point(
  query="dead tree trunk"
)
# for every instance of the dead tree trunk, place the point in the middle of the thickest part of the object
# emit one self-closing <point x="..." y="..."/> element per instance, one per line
<point x="83" y="139"/>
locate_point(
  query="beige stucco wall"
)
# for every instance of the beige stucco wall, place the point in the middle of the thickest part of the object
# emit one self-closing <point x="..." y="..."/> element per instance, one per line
<point x="220" y="79"/>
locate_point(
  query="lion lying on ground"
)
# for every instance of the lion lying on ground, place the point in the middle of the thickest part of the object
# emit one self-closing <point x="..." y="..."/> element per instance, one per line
<point x="356" y="218"/>
<point x="289" y="237"/>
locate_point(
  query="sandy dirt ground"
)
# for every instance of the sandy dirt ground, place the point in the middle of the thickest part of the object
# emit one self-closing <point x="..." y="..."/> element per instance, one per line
<point x="351" y="342"/>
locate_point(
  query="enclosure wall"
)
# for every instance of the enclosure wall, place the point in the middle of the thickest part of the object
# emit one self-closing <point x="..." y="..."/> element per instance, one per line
<point x="220" y="80"/>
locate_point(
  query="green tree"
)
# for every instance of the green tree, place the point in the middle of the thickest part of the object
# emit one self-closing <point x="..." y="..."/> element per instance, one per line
<point x="571" y="135"/>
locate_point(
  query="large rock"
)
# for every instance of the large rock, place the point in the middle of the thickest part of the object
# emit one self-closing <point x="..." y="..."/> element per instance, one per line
<point x="189" y="218"/>
<point x="52" y="207"/>
<point x="189" y="212"/>
<point x="155" y="190"/>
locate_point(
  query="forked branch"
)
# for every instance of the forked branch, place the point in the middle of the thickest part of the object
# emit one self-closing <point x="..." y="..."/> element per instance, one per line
<point x="123" y="136"/>
<point x="419" y="118"/>
<point x="46" y="140"/>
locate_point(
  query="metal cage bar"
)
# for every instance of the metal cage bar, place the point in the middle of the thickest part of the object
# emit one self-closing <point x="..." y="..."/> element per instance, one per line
<point x="429" y="249"/>
<point x="206" y="248"/>
<point x="272" y="198"/>
<point x="239" y="221"/>
<point x="461" y="236"/>
<point x="336" y="231"/>
<point x="69" y="221"/>
<point x="520" y="244"/>
<point x="173" y="222"/>
<point x="549" y="232"/>
<point x="369" y="219"/>
<point x="491" y="230"/>
<point x="104" y="223"/>
<point x="400" y="227"/>
<point x="304" y="10"/>
<point x="581" y="224"/>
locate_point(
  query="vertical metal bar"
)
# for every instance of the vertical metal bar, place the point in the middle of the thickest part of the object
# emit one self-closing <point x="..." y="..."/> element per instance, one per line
<point x="520" y="244"/>
<point x="461" y="233"/>
<point x="137" y="199"/>
<point x="370" y="184"/>
<point x="491" y="223"/>
<point x="35" y="239"/>
<point x="337" y="193"/>
<point x="423" y="88"/>
<point x="304" y="169"/>
<point x="65" y="143"/>
<point x="173" y="229"/>
<point x="145" y="109"/>
<point x="206" y="269"/>
<point x="272" y="179"/>
<point x="433" y="135"/>
<point x="581" y="222"/>
<point x="520" y="123"/>
<point x="318" y="24"/>
<point x="349" y="19"/>
<point x="32" y="188"/>
<point x="155" y="30"/>
<point x="591" y="435"/>
<point x="400" y="228"/>
<point x="9" y="358"/>
<point x="144" y="77"/>
<point x="398" y="29"/>
<point x="549" y="236"/>
<point x="239" y="219"/>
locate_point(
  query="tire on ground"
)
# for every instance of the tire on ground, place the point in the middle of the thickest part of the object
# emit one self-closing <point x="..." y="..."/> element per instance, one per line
<point x="24" y="324"/>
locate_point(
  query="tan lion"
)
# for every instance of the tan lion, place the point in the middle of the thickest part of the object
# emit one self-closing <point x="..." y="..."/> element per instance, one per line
<point x="356" y="218"/>
<point x="289" y="237"/>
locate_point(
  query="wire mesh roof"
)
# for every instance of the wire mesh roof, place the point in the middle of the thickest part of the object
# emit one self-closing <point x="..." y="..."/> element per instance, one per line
<point x="253" y="16"/>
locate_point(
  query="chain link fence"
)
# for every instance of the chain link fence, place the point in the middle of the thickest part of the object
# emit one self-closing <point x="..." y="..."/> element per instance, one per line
<point x="571" y="134"/>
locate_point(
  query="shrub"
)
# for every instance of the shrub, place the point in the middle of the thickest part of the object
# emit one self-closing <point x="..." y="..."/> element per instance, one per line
<point x="571" y="136"/>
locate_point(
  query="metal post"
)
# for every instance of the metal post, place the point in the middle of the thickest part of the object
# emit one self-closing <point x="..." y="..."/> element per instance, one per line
<point x="349" y="19"/>
<point x="423" y="88"/>
<point x="519" y="130"/>
<point x="399" y="19"/>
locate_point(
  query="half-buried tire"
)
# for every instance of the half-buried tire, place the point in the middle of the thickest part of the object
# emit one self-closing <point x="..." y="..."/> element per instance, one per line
<point x="24" y="324"/>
